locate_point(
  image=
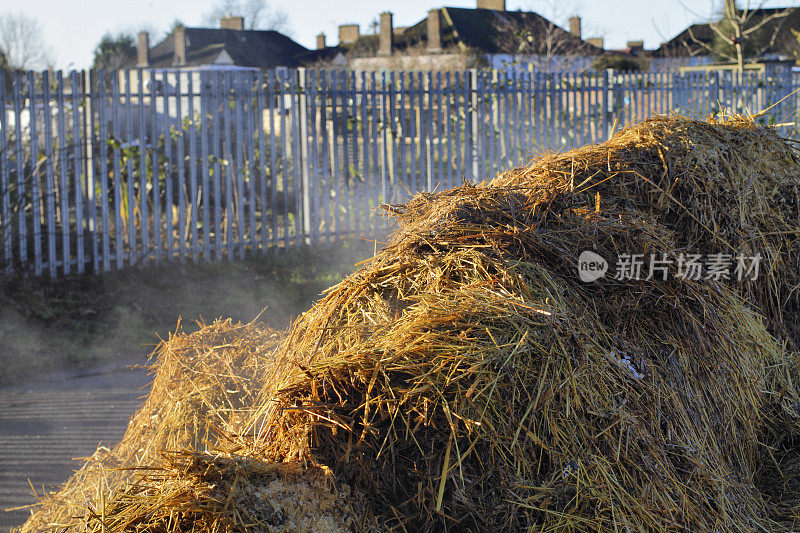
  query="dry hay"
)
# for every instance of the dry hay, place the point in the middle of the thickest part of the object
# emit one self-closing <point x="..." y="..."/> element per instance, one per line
<point x="193" y="491"/>
<point x="465" y="378"/>
<point x="201" y="382"/>
<point x="727" y="185"/>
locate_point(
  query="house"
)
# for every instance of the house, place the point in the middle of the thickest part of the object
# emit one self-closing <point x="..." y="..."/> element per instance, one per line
<point x="773" y="41"/>
<point x="456" y="38"/>
<point x="230" y="45"/>
<point x="192" y="56"/>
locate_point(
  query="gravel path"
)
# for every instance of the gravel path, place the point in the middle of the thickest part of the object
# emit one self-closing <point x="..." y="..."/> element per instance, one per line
<point x="47" y="423"/>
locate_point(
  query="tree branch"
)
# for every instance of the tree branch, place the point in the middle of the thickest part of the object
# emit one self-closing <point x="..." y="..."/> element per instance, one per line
<point x="774" y="16"/>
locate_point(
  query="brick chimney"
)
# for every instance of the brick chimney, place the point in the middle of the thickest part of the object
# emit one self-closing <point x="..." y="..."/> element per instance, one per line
<point x="321" y="41"/>
<point x="575" y="26"/>
<point x="434" y="32"/>
<point x="386" y="40"/>
<point x="231" y="23"/>
<point x="179" y="36"/>
<point x="143" y="50"/>
<point x="497" y="5"/>
<point x="635" y="46"/>
<point x="596" y="41"/>
<point x="349" y="33"/>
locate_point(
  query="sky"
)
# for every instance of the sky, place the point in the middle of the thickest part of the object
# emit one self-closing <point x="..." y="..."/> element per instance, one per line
<point x="73" y="28"/>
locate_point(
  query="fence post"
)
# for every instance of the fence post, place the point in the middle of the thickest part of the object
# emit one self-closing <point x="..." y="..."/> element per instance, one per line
<point x="302" y="102"/>
<point x="426" y="102"/>
<point x="607" y="95"/>
<point x="21" y="189"/>
<point x="89" y="166"/>
<point x="473" y="92"/>
<point x="49" y="203"/>
<point x="36" y="197"/>
<point x="5" y="187"/>
<point x="385" y="137"/>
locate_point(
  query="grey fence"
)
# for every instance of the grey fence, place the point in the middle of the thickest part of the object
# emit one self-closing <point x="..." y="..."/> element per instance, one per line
<point x="100" y="171"/>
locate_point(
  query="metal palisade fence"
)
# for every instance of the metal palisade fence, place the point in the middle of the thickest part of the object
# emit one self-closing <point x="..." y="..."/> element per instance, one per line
<point x="102" y="170"/>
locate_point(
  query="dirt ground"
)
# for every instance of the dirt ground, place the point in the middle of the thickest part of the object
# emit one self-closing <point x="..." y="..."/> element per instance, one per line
<point x="82" y="321"/>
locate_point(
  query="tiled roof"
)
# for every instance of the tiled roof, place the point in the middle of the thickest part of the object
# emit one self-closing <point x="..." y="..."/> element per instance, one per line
<point x="247" y="48"/>
<point x="484" y="30"/>
<point x="507" y="32"/>
<point x="685" y="43"/>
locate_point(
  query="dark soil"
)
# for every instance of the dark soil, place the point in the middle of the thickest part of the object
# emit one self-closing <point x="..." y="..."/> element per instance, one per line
<point x="80" y="321"/>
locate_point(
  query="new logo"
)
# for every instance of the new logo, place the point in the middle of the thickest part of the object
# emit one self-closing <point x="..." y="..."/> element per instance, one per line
<point x="591" y="266"/>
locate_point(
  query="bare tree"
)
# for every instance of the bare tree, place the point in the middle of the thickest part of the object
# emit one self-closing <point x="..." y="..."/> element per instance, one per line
<point x="741" y="32"/>
<point x="113" y="52"/>
<point x="670" y="57"/>
<point x="22" y="42"/>
<point x="545" y="44"/>
<point x="257" y="14"/>
<point x="374" y="26"/>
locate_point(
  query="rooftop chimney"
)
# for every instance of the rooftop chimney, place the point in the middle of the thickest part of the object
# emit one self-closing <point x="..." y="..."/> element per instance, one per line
<point x="575" y="26"/>
<point x="143" y="50"/>
<point x="231" y="23"/>
<point x="386" y="41"/>
<point x="596" y="41"/>
<point x="321" y="41"/>
<point x="349" y="33"/>
<point x="498" y="5"/>
<point x="434" y="32"/>
<point x="635" y="46"/>
<point x="179" y="35"/>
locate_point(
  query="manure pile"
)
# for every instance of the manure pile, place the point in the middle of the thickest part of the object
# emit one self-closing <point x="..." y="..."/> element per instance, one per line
<point x="724" y="186"/>
<point x="466" y="378"/>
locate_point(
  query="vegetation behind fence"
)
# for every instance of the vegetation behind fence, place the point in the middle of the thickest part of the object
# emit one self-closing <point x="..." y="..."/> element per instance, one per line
<point x="99" y="170"/>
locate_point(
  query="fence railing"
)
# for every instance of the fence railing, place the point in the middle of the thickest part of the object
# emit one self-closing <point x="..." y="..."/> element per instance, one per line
<point x="99" y="171"/>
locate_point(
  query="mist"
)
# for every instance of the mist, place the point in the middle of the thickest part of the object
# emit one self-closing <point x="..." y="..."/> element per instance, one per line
<point x="73" y="323"/>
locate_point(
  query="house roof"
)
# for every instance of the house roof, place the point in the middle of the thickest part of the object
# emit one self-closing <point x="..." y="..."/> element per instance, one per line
<point x="506" y="32"/>
<point x="686" y="42"/>
<point x="691" y="41"/>
<point x="367" y="45"/>
<point x="246" y="48"/>
<point x="486" y="30"/>
<point x="327" y="54"/>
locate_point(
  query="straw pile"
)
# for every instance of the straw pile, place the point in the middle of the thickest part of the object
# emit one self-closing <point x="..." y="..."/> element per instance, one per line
<point x="725" y="186"/>
<point x="465" y="378"/>
<point x="201" y="382"/>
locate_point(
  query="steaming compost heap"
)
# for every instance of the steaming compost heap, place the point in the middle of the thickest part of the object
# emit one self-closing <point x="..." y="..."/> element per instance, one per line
<point x="465" y="377"/>
<point x="723" y="187"/>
